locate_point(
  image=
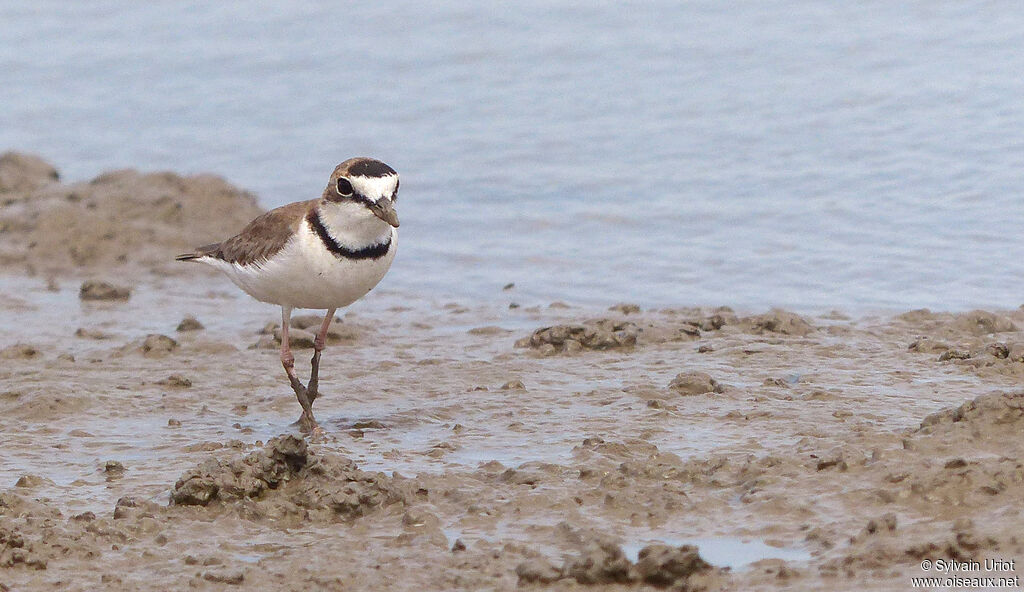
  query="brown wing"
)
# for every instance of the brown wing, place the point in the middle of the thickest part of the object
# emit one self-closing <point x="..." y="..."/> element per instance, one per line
<point x="261" y="239"/>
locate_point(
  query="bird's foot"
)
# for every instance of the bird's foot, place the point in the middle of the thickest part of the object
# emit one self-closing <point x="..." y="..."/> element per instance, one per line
<point x="308" y="425"/>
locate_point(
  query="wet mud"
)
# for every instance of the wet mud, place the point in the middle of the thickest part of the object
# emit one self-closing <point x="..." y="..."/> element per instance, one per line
<point x="149" y="442"/>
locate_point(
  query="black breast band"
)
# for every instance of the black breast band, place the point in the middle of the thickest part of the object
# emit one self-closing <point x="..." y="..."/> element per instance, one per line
<point x="375" y="251"/>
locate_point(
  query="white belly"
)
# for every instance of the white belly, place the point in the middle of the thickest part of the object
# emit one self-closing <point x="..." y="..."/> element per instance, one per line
<point x="304" y="274"/>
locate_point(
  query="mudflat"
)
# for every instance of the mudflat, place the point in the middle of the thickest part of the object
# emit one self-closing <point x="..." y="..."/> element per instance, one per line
<point x="148" y="440"/>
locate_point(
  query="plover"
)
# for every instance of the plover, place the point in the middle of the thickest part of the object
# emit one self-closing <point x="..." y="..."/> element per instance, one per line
<point x="322" y="254"/>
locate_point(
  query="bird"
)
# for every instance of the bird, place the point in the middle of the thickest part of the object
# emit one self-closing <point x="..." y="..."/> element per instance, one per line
<point x="321" y="253"/>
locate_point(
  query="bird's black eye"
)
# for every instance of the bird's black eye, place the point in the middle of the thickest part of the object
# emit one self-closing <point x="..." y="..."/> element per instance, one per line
<point x="394" y="196"/>
<point x="344" y="187"/>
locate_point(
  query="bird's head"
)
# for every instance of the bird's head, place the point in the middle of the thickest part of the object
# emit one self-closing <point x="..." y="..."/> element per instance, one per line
<point x="367" y="183"/>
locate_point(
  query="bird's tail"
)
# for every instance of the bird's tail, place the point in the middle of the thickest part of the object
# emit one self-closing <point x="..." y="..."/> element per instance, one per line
<point x="198" y="253"/>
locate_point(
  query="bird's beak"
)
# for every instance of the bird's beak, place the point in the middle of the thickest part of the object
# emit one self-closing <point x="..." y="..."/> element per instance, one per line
<point x="383" y="209"/>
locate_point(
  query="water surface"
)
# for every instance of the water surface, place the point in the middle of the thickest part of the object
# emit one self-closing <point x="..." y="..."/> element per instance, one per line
<point x="858" y="156"/>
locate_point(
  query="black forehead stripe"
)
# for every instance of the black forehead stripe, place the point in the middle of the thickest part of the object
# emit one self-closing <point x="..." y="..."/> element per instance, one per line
<point x="371" y="168"/>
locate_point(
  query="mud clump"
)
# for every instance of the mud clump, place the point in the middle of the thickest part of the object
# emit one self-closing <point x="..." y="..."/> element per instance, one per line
<point x="983" y="415"/>
<point x="99" y="290"/>
<point x="886" y="524"/>
<point x="1015" y="352"/>
<point x="24" y="172"/>
<point x="29" y="481"/>
<point x="975" y="323"/>
<point x="309" y="322"/>
<point x="981" y="322"/>
<point x="694" y="324"/>
<point x="695" y="383"/>
<point x="88" y="333"/>
<point x="777" y="321"/>
<point x="600" y="334"/>
<point x="231" y="578"/>
<point x="963" y="474"/>
<point x="954" y="354"/>
<point x="625" y="308"/>
<point x="286" y="478"/>
<point x="14" y="551"/>
<point x="999" y="351"/>
<point x="981" y="342"/>
<point x="297" y="338"/>
<point x="156" y="346"/>
<point x="538" y="571"/>
<point x="280" y="460"/>
<point x="19" y="351"/>
<point x="303" y="329"/>
<point x="663" y="566"/>
<point x="189" y="323"/>
<point x="866" y="551"/>
<point x="118" y="218"/>
<point x="175" y="381"/>
<point x="926" y="345"/>
<point x="601" y="562"/>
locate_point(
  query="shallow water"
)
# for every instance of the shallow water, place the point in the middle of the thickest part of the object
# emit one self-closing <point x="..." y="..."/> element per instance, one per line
<point x="727" y="552"/>
<point x="860" y="156"/>
<point x="440" y="387"/>
<point x="32" y="312"/>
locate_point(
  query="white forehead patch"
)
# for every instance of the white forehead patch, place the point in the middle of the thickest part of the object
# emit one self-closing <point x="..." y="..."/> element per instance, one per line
<point x="374" y="187"/>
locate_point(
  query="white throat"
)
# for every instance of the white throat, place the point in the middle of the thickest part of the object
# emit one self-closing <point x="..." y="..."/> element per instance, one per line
<point x="352" y="225"/>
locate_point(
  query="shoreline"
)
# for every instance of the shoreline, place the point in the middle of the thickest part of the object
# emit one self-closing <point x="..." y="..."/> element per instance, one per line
<point x="470" y="444"/>
<point x="123" y="221"/>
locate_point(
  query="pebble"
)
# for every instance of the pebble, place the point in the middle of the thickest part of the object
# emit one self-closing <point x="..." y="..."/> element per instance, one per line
<point x="30" y="481"/>
<point x="695" y="383"/>
<point x="92" y="334"/>
<point x="625" y="308"/>
<point x="100" y="290"/>
<point x="176" y="381"/>
<point x="156" y="345"/>
<point x="190" y="323"/>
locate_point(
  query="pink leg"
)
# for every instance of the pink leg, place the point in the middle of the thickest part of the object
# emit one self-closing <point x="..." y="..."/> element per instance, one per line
<point x="306" y="421"/>
<point x="318" y="346"/>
